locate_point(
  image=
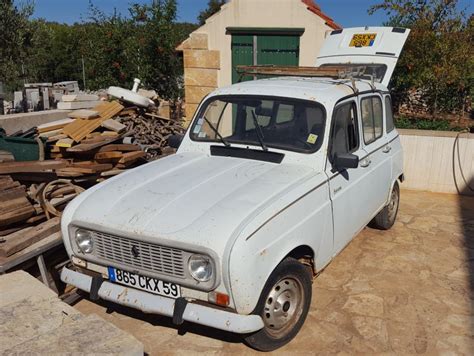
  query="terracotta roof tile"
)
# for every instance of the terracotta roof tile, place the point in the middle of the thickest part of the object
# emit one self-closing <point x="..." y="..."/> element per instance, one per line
<point x="317" y="10"/>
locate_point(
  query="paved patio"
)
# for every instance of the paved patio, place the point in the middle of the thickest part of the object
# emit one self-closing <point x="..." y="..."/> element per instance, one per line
<point x="407" y="290"/>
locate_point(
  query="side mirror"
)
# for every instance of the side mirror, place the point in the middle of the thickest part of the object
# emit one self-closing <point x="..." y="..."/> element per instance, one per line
<point x="346" y="160"/>
<point x="175" y="140"/>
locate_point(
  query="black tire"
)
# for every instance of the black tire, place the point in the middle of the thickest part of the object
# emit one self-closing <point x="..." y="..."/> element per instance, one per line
<point x="385" y="219"/>
<point x="290" y="281"/>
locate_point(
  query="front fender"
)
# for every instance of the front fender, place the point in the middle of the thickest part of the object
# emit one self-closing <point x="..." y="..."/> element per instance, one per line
<point x="306" y="221"/>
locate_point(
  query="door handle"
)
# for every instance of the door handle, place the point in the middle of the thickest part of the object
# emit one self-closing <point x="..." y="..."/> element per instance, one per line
<point x="387" y="149"/>
<point x="365" y="162"/>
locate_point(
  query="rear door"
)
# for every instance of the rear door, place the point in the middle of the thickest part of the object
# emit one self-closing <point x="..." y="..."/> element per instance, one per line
<point x="377" y="158"/>
<point x="376" y="47"/>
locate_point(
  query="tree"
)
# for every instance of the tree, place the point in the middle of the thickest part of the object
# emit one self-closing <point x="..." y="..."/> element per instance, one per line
<point x="159" y="66"/>
<point x="213" y="6"/>
<point x="437" y="57"/>
<point x="15" y="38"/>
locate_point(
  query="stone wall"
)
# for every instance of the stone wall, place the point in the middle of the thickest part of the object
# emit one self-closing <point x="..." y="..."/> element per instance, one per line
<point x="201" y="67"/>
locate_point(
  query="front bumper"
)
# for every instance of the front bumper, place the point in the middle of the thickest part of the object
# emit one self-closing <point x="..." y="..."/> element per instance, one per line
<point x="155" y="304"/>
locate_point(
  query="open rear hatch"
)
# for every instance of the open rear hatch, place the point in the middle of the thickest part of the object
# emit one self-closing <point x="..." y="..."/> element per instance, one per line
<point x="372" y="51"/>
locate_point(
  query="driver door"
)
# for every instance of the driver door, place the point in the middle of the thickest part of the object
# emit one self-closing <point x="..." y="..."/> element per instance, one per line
<point x="348" y="187"/>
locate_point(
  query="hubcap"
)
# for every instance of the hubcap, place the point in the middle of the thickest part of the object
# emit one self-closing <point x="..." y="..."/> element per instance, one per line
<point x="393" y="205"/>
<point x="283" y="306"/>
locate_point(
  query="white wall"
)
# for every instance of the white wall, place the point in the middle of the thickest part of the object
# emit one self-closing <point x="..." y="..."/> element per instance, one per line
<point x="429" y="163"/>
<point x="263" y="13"/>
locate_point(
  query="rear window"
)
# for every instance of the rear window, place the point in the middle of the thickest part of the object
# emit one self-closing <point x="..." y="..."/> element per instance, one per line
<point x="389" y="114"/>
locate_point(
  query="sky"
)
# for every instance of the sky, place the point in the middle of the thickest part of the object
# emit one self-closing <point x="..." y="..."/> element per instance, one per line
<point x="348" y="13"/>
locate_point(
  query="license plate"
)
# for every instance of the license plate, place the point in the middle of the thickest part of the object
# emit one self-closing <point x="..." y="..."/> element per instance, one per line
<point x="145" y="283"/>
<point x="363" y="40"/>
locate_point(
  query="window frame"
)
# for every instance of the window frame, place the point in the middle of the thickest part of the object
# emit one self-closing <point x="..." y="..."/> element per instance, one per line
<point x="354" y="103"/>
<point x="371" y="97"/>
<point x="278" y="99"/>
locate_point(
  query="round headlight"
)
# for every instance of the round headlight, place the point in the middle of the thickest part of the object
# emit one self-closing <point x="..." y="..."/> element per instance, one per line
<point x="84" y="241"/>
<point x="200" y="268"/>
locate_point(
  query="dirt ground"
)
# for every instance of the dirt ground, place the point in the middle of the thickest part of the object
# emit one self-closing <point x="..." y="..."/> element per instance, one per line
<point x="406" y="291"/>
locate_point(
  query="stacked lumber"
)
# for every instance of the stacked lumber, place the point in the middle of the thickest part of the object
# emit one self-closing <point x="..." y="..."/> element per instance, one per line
<point x="92" y="144"/>
<point x="14" y="204"/>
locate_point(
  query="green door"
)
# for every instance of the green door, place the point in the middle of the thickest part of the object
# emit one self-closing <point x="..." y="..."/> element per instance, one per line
<point x="282" y="50"/>
<point x="242" y="54"/>
<point x="278" y="50"/>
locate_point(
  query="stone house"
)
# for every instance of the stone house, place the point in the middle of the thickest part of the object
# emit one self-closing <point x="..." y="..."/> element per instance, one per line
<point x="250" y="32"/>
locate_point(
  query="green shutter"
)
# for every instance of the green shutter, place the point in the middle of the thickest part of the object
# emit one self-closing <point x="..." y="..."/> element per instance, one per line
<point x="242" y="54"/>
<point x="282" y="50"/>
<point x="278" y="50"/>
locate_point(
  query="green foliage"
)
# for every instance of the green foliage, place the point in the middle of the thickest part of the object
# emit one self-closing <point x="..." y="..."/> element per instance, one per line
<point x="213" y="6"/>
<point x="404" y="122"/>
<point x="115" y="48"/>
<point x="438" y="54"/>
<point x="15" y="39"/>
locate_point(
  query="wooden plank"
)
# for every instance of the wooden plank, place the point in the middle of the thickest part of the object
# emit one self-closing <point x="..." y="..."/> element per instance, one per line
<point x="55" y="125"/>
<point x="131" y="156"/>
<point x="114" y="125"/>
<point x="110" y="155"/>
<point x="112" y="172"/>
<point x="19" y="240"/>
<point x="12" y="193"/>
<point x="85" y="147"/>
<point x="31" y="166"/>
<point x="83" y="114"/>
<point x="124" y="147"/>
<point x="82" y="127"/>
<point x="84" y="169"/>
<point x="65" y="142"/>
<point x="15" y="211"/>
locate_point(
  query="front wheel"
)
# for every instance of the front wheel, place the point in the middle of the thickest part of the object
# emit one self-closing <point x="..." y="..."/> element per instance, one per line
<point x="385" y="219"/>
<point x="283" y="305"/>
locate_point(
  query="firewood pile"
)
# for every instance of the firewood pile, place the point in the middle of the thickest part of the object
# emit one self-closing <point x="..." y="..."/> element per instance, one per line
<point x="71" y="155"/>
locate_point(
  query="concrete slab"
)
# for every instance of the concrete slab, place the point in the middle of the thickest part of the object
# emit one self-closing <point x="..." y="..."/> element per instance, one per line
<point x="408" y="290"/>
<point x="34" y="321"/>
<point x="20" y="285"/>
<point x="89" y="335"/>
<point x="25" y="121"/>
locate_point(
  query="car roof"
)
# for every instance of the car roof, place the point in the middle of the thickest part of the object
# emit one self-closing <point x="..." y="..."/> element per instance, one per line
<point x="323" y="90"/>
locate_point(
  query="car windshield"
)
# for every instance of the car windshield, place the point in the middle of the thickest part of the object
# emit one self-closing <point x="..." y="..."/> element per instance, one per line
<point x="289" y="124"/>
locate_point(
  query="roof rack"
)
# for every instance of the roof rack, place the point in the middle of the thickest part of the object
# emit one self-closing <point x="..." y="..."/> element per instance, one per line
<point x="350" y="72"/>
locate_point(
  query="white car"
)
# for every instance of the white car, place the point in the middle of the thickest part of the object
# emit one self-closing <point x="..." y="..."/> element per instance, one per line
<point x="272" y="180"/>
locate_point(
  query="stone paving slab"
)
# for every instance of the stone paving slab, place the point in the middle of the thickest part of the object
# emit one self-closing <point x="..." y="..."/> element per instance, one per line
<point x="34" y="321"/>
<point x="408" y="290"/>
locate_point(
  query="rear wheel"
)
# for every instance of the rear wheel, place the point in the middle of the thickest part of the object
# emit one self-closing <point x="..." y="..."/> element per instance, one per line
<point x="385" y="219"/>
<point x="283" y="305"/>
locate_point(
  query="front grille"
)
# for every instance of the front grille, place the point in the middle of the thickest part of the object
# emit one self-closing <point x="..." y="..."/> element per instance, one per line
<point x="151" y="257"/>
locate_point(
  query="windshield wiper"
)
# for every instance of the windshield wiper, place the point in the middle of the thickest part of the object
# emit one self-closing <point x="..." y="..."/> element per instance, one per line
<point x="259" y="131"/>
<point x="223" y="140"/>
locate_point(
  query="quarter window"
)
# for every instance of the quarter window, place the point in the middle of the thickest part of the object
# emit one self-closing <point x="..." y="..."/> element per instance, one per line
<point x="344" y="136"/>
<point x="372" y="118"/>
<point x="389" y="114"/>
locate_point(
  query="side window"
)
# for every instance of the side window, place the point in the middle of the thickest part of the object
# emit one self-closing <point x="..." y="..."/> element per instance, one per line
<point x="372" y="118"/>
<point x="389" y="114"/>
<point x="344" y="134"/>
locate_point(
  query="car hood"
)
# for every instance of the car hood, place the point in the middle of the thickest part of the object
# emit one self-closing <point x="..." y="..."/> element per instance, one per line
<point x="188" y="199"/>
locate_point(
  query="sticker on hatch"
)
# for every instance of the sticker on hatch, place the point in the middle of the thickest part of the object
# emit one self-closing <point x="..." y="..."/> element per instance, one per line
<point x="148" y="284"/>
<point x="363" y="40"/>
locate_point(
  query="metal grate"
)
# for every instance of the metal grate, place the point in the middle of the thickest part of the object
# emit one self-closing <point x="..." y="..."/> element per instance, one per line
<point x="151" y="257"/>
